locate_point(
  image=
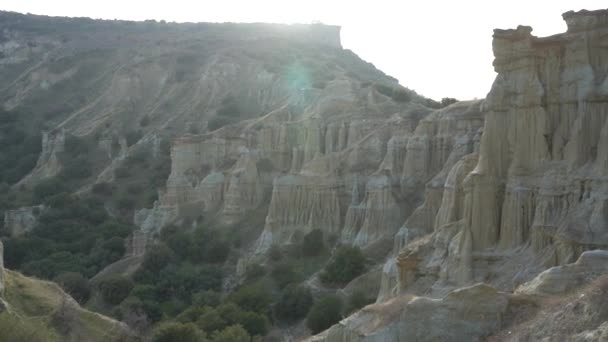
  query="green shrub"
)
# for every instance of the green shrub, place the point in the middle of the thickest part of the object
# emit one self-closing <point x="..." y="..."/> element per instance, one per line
<point x="324" y="313"/>
<point x="211" y="320"/>
<point x="235" y="333"/>
<point x="102" y="189"/>
<point x="173" y="332"/>
<point x="217" y="122"/>
<point x="312" y="244"/>
<point x="254" y="323"/>
<point x="446" y="101"/>
<point x="75" y="285"/>
<point x="229" y="107"/>
<point x="254" y="271"/>
<point x="283" y="274"/>
<point x="122" y="172"/>
<point x="294" y="303"/>
<point x="255" y="297"/>
<point x="76" y="168"/>
<point x="132" y="137"/>
<point x="114" y="289"/>
<point x="206" y="298"/>
<point x="347" y="263"/>
<point x="49" y="187"/>
<point x="76" y="146"/>
<point x="358" y="299"/>
<point x="275" y="252"/>
<point x="156" y="258"/>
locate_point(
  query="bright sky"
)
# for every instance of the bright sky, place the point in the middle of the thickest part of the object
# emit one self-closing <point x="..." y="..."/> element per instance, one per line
<point x="438" y="48"/>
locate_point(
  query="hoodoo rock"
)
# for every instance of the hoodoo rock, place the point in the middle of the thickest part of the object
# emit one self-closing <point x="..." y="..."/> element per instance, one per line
<point x="527" y="194"/>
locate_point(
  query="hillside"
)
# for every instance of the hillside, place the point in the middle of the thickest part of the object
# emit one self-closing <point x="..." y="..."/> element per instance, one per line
<point x="260" y="180"/>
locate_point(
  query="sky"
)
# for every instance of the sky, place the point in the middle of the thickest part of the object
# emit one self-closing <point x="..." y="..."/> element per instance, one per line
<point x="437" y="48"/>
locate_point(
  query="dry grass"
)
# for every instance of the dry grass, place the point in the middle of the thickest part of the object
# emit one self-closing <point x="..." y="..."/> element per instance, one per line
<point x="41" y="311"/>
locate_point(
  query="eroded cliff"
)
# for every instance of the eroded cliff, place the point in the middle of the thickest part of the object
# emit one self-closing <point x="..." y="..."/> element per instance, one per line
<point x="531" y="195"/>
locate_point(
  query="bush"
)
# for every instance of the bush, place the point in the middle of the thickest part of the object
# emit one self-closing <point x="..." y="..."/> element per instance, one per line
<point x="254" y="271"/>
<point x="133" y="137"/>
<point x="75" y="146"/>
<point x="446" y="101"/>
<point x="283" y="274"/>
<point x="122" y="172"/>
<point x="76" y="168"/>
<point x="211" y="320"/>
<point x="254" y="323"/>
<point x="255" y="297"/>
<point x="324" y="313"/>
<point x="275" y="253"/>
<point x="294" y="303"/>
<point x="49" y="187"/>
<point x="347" y="263"/>
<point x="229" y="107"/>
<point x="217" y="122"/>
<point x="235" y="333"/>
<point x="102" y="189"/>
<point x="114" y="289"/>
<point x="358" y="299"/>
<point x="157" y="258"/>
<point x="206" y="298"/>
<point x="172" y="332"/>
<point x="312" y="244"/>
<point x="75" y="285"/>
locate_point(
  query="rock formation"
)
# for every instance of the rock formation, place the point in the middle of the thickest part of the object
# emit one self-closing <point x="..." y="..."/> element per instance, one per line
<point x="475" y="312"/>
<point x="529" y="194"/>
<point x="20" y="221"/>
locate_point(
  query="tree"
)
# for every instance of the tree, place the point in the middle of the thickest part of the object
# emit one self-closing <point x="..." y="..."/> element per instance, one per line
<point x="75" y="285"/>
<point x="446" y="101"/>
<point x="172" y="332"/>
<point x="114" y="289"/>
<point x="235" y="333"/>
<point x="358" y="299"/>
<point x="157" y="258"/>
<point x="294" y="303"/>
<point x="324" y="313"/>
<point x="312" y="244"/>
<point x="255" y="297"/>
<point x="283" y="274"/>
<point x="347" y="263"/>
<point x="49" y="187"/>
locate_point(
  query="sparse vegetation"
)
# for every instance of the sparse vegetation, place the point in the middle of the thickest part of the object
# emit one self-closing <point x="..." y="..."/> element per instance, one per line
<point x="324" y="313"/>
<point x="347" y="263"/>
<point x="294" y="303"/>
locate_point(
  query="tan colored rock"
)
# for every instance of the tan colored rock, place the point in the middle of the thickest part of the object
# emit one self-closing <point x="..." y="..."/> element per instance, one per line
<point x="245" y="190"/>
<point x="562" y="279"/>
<point x="467" y="314"/>
<point x="48" y="164"/>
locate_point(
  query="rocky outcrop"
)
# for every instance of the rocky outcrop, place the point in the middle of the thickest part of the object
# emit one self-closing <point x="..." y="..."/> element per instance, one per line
<point x="562" y="279"/>
<point x="537" y="184"/>
<point x="20" y="221"/>
<point x="467" y="314"/>
<point x="572" y="295"/>
<point x="48" y="164"/>
<point x="527" y="194"/>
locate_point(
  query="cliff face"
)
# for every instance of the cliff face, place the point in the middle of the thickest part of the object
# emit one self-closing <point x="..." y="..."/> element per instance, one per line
<point x="531" y="195"/>
<point x="342" y="170"/>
